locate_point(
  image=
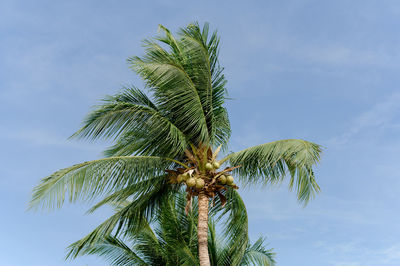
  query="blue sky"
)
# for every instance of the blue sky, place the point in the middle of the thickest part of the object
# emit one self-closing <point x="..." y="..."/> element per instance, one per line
<point x="324" y="71"/>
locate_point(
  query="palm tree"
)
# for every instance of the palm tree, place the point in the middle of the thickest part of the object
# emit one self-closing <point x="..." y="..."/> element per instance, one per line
<point x="171" y="239"/>
<point x="169" y="138"/>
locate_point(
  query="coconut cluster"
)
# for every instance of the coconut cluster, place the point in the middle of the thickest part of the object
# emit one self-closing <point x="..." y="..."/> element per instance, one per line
<point x="201" y="175"/>
<point x="190" y="181"/>
<point x="194" y="181"/>
<point x="212" y="166"/>
<point x="226" y="180"/>
<point x="222" y="179"/>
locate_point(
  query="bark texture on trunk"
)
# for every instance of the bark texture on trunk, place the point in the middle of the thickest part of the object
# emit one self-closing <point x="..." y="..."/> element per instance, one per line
<point x="202" y="230"/>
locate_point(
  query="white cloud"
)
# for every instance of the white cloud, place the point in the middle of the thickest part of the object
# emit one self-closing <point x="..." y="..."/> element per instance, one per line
<point x="356" y="252"/>
<point x="391" y="254"/>
<point x="381" y="115"/>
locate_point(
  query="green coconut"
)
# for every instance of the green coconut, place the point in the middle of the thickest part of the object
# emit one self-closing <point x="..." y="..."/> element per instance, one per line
<point x="222" y="179"/>
<point x="191" y="182"/>
<point x="199" y="183"/>
<point x="179" y="178"/>
<point x="216" y="165"/>
<point x="229" y="180"/>
<point x="209" y="166"/>
<point x="185" y="176"/>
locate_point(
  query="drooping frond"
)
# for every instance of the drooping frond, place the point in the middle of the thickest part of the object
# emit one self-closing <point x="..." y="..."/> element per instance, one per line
<point x="132" y="218"/>
<point x="94" y="178"/>
<point x="214" y="243"/>
<point x="132" y="192"/>
<point x="187" y="222"/>
<point x="169" y="235"/>
<point x="233" y="246"/>
<point x="138" y="125"/>
<point x="271" y="162"/>
<point x="115" y="251"/>
<point x="105" y="230"/>
<point x="172" y="232"/>
<point x="235" y="232"/>
<point x="258" y="255"/>
<point x="171" y="244"/>
<point x="146" y="243"/>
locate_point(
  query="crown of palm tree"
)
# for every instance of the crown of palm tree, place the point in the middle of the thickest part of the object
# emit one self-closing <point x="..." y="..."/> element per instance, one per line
<point x="170" y="131"/>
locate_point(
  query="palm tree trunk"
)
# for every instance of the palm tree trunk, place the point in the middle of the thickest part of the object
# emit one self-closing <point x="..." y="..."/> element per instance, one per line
<point x="202" y="230"/>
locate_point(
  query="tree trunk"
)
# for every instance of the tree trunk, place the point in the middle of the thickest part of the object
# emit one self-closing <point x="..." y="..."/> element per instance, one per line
<point x="202" y="230"/>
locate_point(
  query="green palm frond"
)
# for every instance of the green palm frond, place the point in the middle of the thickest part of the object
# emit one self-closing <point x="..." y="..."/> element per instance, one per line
<point x="176" y="231"/>
<point x="137" y="124"/>
<point x="270" y="162"/>
<point x="175" y="91"/>
<point x="235" y="232"/>
<point x="116" y="252"/>
<point x="258" y="255"/>
<point x="146" y="243"/>
<point x="170" y="238"/>
<point x="132" y="192"/>
<point x="170" y="244"/>
<point x="203" y="48"/>
<point x="213" y="243"/>
<point x="94" y="178"/>
<point x="234" y="247"/>
<point x="130" y="219"/>
<point x="187" y="82"/>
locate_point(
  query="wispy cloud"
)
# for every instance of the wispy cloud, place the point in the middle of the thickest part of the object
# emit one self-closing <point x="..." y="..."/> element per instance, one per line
<point x="357" y="252"/>
<point x="381" y="115"/>
<point x="391" y="254"/>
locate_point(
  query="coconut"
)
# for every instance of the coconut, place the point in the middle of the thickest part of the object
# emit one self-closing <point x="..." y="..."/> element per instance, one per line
<point x="209" y="166"/>
<point x="199" y="183"/>
<point x="185" y="176"/>
<point x="229" y="180"/>
<point x="222" y="179"/>
<point x="216" y="165"/>
<point x="179" y="178"/>
<point x="191" y="182"/>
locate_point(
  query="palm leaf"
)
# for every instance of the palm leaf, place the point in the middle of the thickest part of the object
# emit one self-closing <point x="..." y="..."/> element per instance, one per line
<point x="130" y="219"/>
<point x="137" y="123"/>
<point x="187" y="82"/>
<point x="132" y="192"/>
<point x="202" y="49"/>
<point x="235" y="233"/>
<point x="213" y="243"/>
<point x="115" y="251"/>
<point x="175" y="230"/>
<point x="257" y="254"/>
<point x="169" y="236"/>
<point x="94" y="178"/>
<point x="174" y="91"/>
<point x="270" y="162"/>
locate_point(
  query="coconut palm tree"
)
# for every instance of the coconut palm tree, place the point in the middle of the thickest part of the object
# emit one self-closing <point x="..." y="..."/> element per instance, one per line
<point x="171" y="239"/>
<point x="169" y="138"/>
